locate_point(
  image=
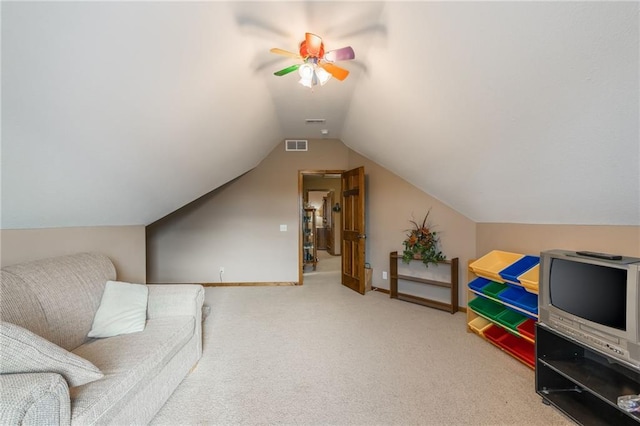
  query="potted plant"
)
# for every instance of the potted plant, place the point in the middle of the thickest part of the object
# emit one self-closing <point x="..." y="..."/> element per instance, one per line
<point x="422" y="243"/>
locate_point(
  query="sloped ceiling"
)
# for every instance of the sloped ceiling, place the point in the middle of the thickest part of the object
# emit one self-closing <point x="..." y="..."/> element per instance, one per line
<point x="118" y="113"/>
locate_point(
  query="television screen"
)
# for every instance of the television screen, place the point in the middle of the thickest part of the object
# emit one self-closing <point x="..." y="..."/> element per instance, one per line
<point x="593" y="292"/>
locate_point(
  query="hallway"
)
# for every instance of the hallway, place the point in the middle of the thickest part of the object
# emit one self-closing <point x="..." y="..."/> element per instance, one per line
<point x="326" y="263"/>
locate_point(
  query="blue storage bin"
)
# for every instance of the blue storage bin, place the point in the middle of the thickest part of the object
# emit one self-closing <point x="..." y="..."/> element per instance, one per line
<point x="519" y="267"/>
<point x="479" y="283"/>
<point x="520" y="298"/>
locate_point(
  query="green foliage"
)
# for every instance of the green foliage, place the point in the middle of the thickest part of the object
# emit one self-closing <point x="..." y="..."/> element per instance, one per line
<point x="422" y="243"/>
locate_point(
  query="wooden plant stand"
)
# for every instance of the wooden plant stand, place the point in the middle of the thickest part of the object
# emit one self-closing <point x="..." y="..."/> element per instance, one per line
<point x="452" y="284"/>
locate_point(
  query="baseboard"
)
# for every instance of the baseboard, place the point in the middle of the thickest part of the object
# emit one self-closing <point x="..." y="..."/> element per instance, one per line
<point x="248" y="284"/>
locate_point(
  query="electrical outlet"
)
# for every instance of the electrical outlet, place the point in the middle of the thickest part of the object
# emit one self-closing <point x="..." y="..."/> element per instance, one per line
<point x="384" y="275"/>
<point x="222" y="269"/>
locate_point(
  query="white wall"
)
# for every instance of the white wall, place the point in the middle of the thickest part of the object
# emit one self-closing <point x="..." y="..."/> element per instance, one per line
<point x="238" y="226"/>
<point x="509" y="111"/>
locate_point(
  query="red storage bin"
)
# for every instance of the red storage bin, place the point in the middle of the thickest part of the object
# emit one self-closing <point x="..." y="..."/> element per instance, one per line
<point x="527" y="329"/>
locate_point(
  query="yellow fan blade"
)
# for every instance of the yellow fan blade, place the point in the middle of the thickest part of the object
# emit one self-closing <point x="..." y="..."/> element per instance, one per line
<point x="335" y="71"/>
<point x="285" y="53"/>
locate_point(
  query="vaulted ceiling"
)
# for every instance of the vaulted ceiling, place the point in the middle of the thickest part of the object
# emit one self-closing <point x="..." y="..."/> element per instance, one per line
<point x="118" y="113"/>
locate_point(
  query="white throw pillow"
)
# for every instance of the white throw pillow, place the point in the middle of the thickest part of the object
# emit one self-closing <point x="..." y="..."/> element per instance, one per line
<point x="122" y="310"/>
<point x="26" y="352"/>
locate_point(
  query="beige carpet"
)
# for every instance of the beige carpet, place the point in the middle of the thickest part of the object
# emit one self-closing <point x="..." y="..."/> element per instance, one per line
<point x="326" y="263"/>
<point x="321" y="354"/>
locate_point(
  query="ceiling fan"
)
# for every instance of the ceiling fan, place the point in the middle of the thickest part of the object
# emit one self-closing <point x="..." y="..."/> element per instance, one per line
<point x="317" y="65"/>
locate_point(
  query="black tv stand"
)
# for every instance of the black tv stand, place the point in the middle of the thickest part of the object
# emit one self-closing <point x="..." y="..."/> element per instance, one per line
<point x="581" y="382"/>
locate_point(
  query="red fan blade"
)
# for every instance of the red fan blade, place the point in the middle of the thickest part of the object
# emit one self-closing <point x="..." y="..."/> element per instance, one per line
<point x="342" y="54"/>
<point x="335" y="71"/>
<point x="285" y="53"/>
<point x="287" y="70"/>
<point x="314" y="45"/>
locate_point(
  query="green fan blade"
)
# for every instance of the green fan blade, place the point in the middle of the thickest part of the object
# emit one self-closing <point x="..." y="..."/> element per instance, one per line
<point x="287" y="70"/>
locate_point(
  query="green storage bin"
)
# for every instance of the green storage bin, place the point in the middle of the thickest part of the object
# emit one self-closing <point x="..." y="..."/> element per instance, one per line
<point x="510" y="319"/>
<point x="486" y="307"/>
<point x="493" y="289"/>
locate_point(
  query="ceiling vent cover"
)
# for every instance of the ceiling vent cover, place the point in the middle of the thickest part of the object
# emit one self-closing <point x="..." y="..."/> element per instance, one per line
<point x="295" y="145"/>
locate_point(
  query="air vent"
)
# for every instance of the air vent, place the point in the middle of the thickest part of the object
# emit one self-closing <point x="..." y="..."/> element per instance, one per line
<point x="295" y="145"/>
<point x="315" y="120"/>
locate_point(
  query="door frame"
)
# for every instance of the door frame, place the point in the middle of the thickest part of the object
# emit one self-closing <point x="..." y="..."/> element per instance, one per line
<point x="301" y="175"/>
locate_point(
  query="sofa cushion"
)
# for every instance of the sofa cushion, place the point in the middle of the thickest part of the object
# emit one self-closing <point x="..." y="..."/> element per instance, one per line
<point x="122" y="310"/>
<point x="25" y="352"/>
<point x="129" y="362"/>
<point x="68" y="291"/>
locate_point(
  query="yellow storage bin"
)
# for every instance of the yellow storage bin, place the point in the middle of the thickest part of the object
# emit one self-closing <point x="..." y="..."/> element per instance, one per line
<point x="529" y="279"/>
<point x="479" y="324"/>
<point x="490" y="265"/>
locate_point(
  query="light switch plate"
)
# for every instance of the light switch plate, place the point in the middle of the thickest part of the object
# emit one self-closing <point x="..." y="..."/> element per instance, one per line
<point x="283" y="228"/>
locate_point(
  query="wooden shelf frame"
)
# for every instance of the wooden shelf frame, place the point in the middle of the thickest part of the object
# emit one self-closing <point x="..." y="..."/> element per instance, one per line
<point x="451" y="307"/>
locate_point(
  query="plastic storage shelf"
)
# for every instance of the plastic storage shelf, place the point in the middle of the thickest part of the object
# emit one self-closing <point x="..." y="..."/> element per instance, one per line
<point x="486" y="307"/>
<point x="494" y="289"/>
<point x="479" y="283"/>
<point x="490" y="265"/>
<point x="479" y="325"/>
<point x="511" y="273"/>
<point x="520" y="298"/>
<point x="520" y="348"/>
<point x="503" y="302"/>
<point x="510" y="319"/>
<point x="529" y="279"/>
<point x="528" y="329"/>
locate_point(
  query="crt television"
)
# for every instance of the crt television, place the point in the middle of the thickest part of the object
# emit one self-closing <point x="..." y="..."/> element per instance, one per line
<point x="594" y="299"/>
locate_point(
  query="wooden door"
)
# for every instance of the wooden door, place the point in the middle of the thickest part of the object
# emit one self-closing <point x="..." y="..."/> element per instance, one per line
<point x="353" y="232"/>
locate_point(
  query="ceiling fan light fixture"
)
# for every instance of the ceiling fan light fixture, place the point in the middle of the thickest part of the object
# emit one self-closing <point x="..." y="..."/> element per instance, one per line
<point x="306" y="82"/>
<point x="322" y="75"/>
<point x="306" y="71"/>
<point x="307" y="75"/>
<point x="317" y="67"/>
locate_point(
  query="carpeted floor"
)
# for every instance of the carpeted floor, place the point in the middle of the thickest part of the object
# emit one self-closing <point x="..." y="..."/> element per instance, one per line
<point x="326" y="263"/>
<point x="321" y="354"/>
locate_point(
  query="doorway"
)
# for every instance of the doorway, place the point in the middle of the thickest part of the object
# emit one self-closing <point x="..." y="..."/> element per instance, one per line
<point x="320" y="220"/>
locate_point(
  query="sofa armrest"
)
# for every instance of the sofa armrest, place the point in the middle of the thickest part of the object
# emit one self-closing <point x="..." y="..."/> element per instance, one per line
<point x="34" y="399"/>
<point x="167" y="300"/>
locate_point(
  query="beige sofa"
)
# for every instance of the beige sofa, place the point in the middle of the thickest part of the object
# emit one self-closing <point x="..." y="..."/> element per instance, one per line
<point x="128" y="377"/>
